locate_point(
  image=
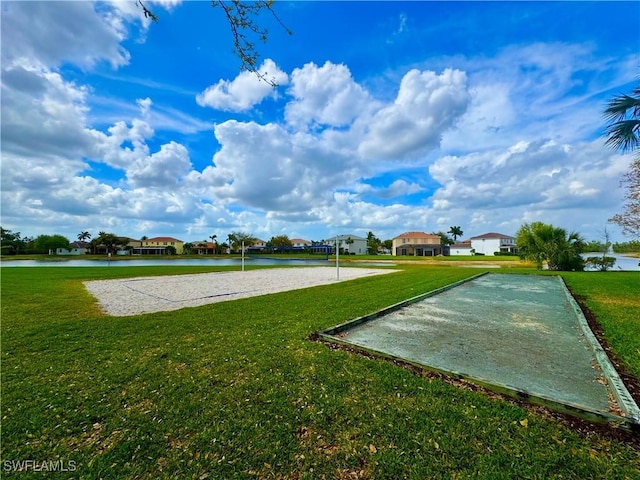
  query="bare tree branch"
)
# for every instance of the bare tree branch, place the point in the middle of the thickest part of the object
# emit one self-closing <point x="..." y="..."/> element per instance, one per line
<point x="242" y="17"/>
<point x="147" y="13"/>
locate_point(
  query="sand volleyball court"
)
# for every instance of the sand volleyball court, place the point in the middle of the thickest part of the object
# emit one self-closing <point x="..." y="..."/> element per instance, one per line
<point x="134" y="296"/>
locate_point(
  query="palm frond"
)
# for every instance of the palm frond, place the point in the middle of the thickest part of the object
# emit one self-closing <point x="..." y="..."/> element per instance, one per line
<point x="624" y="135"/>
<point x="622" y="106"/>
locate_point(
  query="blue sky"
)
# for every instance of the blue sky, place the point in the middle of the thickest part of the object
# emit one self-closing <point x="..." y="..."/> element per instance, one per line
<point x="388" y="117"/>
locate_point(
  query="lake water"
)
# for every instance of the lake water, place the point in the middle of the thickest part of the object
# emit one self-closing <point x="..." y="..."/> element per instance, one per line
<point x="148" y="262"/>
<point x="622" y="262"/>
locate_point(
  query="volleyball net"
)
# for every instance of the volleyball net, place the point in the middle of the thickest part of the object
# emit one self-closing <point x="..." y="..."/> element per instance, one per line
<point x="310" y="252"/>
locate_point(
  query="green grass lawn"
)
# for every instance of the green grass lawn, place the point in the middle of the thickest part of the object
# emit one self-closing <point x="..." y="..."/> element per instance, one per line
<point x="236" y="389"/>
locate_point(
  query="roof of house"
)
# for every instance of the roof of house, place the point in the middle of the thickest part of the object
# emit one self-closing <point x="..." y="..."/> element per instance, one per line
<point x="491" y="235"/>
<point x="299" y="240"/>
<point x="345" y="237"/>
<point x="464" y="244"/>
<point x="162" y="239"/>
<point x="417" y="235"/>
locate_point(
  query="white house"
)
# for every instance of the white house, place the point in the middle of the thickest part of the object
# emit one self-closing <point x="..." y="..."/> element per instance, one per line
<point x="350" y="244"/>
<point x="75" y="248"/>
<point x="490" y="243"/>
<point x="461" y="248"/>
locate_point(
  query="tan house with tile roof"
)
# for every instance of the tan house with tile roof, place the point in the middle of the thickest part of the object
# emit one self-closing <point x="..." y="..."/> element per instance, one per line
<point x="300" y="242"/>
<point x="417" y="244"/>
<point x="158" y="245"/>
<point x="203" y="247"/>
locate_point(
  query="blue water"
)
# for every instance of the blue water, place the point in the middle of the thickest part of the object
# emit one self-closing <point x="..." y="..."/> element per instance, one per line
<point x="218" y="262"/>
<point x="622" y="262"/>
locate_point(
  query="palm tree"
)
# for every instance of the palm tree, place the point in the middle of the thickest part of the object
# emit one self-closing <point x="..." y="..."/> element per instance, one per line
<point x="82" y="236"/>
<point x="213" y="240"/>
<point x="455" y="232"/>
<point x="349" y="241"/>
<point x="543" y="243"/>
<point x="235" y="240"/>
<point x="623" y="133"/>
<point x="623" y="115"/>
<point x="93" y="245"/>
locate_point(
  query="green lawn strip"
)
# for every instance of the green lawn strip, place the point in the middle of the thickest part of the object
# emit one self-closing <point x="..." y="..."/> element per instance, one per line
<point x="236" y="390"/>
<point x="615" y="300"/>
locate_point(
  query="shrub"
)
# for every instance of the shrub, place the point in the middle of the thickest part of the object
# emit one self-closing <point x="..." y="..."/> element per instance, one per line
<point x="601" y="264"/>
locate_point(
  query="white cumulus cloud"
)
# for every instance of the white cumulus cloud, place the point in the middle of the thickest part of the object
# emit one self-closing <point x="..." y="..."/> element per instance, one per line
<point x="427" y="105"/>
<point x="245" y="91"/>
<point x="326" y="96"/>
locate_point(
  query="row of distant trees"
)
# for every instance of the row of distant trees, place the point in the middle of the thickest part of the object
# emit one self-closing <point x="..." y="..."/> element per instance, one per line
<point x="13" y="243"/>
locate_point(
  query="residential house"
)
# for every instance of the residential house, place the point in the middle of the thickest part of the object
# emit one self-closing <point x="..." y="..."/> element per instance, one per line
<point x="258" y="246"/>
<point x="461" y="248"/>
<point x="203" y="248"/>
<point x="158" y="246"/>
<point x="259" y="243"/>
<point x="75" y="248"/>
<point x="418" y="244"/>
<point x="490" y="243"/>
<point x="300" y="243"/>
<point x="349" y="244"/>
<point x="130" y="247"/>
